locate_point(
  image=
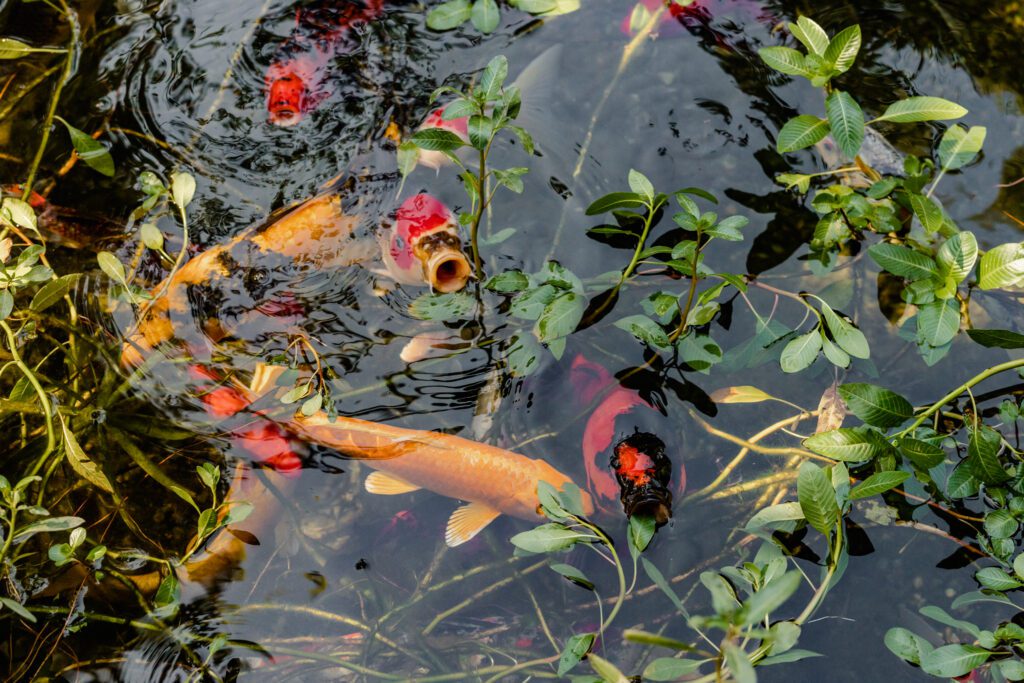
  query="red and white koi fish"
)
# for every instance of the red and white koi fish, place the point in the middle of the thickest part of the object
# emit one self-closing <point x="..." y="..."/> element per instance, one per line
<point x="295" y="80"/>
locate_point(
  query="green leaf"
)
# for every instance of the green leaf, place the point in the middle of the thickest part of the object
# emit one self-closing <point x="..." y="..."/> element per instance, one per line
<point x="817" y="497"/>
<point x="983" y="448"/>
<point x="739" y="664"/>
<point x="549" y="538"/>
<point x="183" y="188"/>
<point x="959" y="146"/>
<point x="785" y="60"/>
<point x="787" y="657"/>
<point x="449" y="15"/>
<point x="923" y="454"/>
<point x="48" y="525"/>
<point x="575" y="649"/>
<point x="560" y="317"/>
<point x="641" y="531"/>
<point x="450" y="306"/>
<point x="90" y="151"/>
<point x="879" y="482"/>
<point x="574" y="575"/>
<point x="843" y="48"/>
<point x="997" y="339"/>
<point x="484" y="16"/>
<point x="903" y="262"/>
<point x="813" y="36"/>
<point x="640" y="185"/>
<point x="1001" y="524"/>
<point x="14" y="49"/>
<point x="800" y="181"/>
<point x="848" y="445"/>
<point x="728" y="228"/>
<point x="312" y="404"/>
<point x="799" y="353"/>
<point x="615" y="200"/>
<point x="10" y="604"/>
<point x="523" y="354"/>
<point x="950" y="661"/>
<point x="169" y="592"/>
<point x="644" y="329"/>
<point x="847" y="336"/>
<point x="723" y="597"/>
<point x="940" y="615"/>
<point x="846" y="121"/>
<point x="780" y="512"/>
<point x="437" y="139"/>
<point x="938" y="322"/>
<point x="408" y="156"/>
<point x="50" y="293"/>
<point x="915" y="109"/>
<point x="907" y="645"/>
<point x="480" y="128"/>
<point x="531" y="303"/>
<point x="927" y="211"/>
<point x="800" y="132"/>
<point x="659" y="580"/>
<point x="670" y="669"/>
<point x="6" y="303"/>
<point x="770" y="597"/>
<point x="833" y="353"/>
<point x="19" y="213"/>
<point x="875" y="405"/>
<point x="958" y="254"/>
<point x="1001" y="266"/>
<point x="80" y="462"/>
<point x="962" y="483"/>
<point x="536" y="6"/>
<point x="508" y="281"/>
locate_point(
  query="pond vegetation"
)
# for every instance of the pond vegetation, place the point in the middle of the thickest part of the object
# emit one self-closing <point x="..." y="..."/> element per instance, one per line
<point x="705" y="294"/>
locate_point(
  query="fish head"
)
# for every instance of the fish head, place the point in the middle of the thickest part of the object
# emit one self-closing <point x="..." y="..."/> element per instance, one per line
<point x="435" y="119"/>
<point x="423" y="245"/>
<point x="287" y="96"/>
<point x="643" y="472"/>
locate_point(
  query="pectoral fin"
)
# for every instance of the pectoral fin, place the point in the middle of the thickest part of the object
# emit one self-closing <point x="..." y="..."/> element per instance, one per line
<point x="385" y="484"/>
<point x="467" y="522"/>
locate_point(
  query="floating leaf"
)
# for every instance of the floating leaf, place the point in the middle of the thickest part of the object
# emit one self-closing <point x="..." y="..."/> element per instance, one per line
<point x="484" y="15"/>
<point x="94" y="154"/>
<point x="847" y="336"/>
<point x="46" y="526"/>
<point x="879" y="482"/>
<point x="875" y="405"/>
<point x="13" y="49"/>
<point x="670" y="669"/>
<point x="848" y="445"/>
<point x="449" y="15"/>
<point x="508" y="281"/>
<point x="548" y="538"/>
<point x="780" y="512"/>
<point x="449" y="306"/>
<point x="907" y="645"/>
<point x="741" y="394"/>
<point x="921" y="453"/>
<point x="950" y="661"/>
<point x="983" y="448"/>
<point x="560" y="317"/>
<point x="644" y="329"/>
<point x="800" y="132"/>
<point x="576" y="649"/>
<point x="769" y="598"/>
<point x="51" y="293"/>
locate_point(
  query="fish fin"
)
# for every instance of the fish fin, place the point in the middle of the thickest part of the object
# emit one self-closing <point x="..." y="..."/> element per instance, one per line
<point x="467" y="521"/>
<point x="537" y="85"/>
<point x="385" y="484"/>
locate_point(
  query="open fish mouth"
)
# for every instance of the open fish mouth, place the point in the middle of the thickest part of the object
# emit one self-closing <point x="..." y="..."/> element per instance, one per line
<point x="285" y="117"/>
<point x="445" y="267"/>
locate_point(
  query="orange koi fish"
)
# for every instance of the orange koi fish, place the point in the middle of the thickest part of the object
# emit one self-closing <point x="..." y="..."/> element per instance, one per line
<point x="252" y="273"/>
<point x="493" y="481"/>
<point x="295" y="79"/>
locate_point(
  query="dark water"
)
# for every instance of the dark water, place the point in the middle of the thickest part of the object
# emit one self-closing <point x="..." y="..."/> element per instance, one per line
<point x="179" y="85"/>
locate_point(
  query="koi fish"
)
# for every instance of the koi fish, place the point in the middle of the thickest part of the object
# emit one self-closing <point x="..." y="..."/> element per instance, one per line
<point x="295" y="80"/>
<point x="643" y="472"/>
<point x="590" y="379"/>
<point x="641" y="12"/>
<point x="536" y="84"/>
<point x="493" y="481"/>
<point x="251" y="274"/>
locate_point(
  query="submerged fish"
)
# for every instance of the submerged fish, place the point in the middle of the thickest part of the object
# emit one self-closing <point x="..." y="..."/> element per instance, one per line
<point x="536" y="85"/>
<point x="251" y="274"/>
<point x="295" y="80"/>
<point x="643" y="472"/>
<point x="493" y="481"/>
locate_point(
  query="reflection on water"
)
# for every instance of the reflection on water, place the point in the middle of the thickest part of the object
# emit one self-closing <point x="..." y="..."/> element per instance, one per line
<point x="343" y="576"/>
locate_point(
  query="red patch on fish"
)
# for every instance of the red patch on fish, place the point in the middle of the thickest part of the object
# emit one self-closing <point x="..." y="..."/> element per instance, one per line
<point x="459" y="126"/>
<point x="418" y="215"/>
<point x="668" y="20"/>
<point x="295" y="82"/>
<point x="634" y="465"/>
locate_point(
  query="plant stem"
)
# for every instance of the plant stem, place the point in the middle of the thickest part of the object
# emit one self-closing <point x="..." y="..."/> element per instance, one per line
<point x="475" y="228"/>
<point x="44" y="400"/>
<point x="977" y="379"/>
<point x="685" y="312"/>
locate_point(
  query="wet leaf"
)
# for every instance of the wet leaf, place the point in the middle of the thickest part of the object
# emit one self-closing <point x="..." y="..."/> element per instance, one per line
<point x="958" y="254"/>
<point x="449" y="15"/>
<point x="876" y="405"/>
<point x="1001" y="524"/>
<point x="437" y="139"/>
<point x="608" y="672"/>
<point x="1001" y="266"/>
<point x="659" y="580"/>
<point x="831" y="410"/>
<point x="950" y="661"/>
<point x="879" y="482"/>
<point x="80" y="462"/>
<point x="19" y="213"/>
<point x="959" y="146"/>
<point x="14" y="605"/>
<point x="6" y="303"/>
<point x="670" y="669"/>
<point x="983" y="453"/>
<point x="739" y="664"/>
<point x="46" y="526"/>
<point x="408" y="156"/>
<point x="770" y="597"/>
<point x="800" y="132"/>
<point x="927" y="211"/>
<point x="780" y="512"/>
<point x="480" y="128"/>
<point x="311" y="405"/>
<point x="574" y="575"/>
<point x="640" y="185"/>
<point x="111" y="266"/>
<point x="484" y="16"/>
<point x="575" y="649"/>
<point x="962" y="483"/>
<point x="450" y="306"/>
<point x="903" y="261"/>
<point x="508" y="281"/>
<point x="907" y="645"/>
<point x="169" y="592"/>
<point x="644" y="329"/>
<point x="523" y="355"/>
<point x="549" y="538"/>
<point x="848" y="445"/>
<point x="997" y="339"/>
<point x="14" y="49"/>
<point x="817" y="498"/>
<point x="938" y="322"/>
<point x="785" y="60"/>
<point x="921" y="453"/>
<point x="615" y="200"/>
<point x="741" y="394"/>
<point x="846" y="121"/>
<point x="914" y="109"/>
<point x="560" y="317"/>
<point x="723" y="597"/>
<point x="801" y="352"/>
<point x="91" y="151"/>
<point x="641" y="531"/>
<point x="813" y="36"/>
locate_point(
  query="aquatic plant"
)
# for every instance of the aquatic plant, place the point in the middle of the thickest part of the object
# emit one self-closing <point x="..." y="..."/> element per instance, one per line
<point x="485" y="15"/>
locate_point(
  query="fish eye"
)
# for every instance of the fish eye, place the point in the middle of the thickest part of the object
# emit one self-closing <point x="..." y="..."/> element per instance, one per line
<point x="256" y="277"/>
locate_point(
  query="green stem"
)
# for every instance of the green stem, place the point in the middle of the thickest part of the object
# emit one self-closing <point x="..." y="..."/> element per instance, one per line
<point x="10" y="536"/>
<point x="977" y="379"/>
<point x="69" y="63"/>
<point x="44" y="400"/>
<point x="685" y="313"/>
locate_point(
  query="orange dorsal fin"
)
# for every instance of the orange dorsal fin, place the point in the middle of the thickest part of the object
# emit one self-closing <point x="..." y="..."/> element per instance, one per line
<point x="467" y="522"/>
<point x="385" y="484"/>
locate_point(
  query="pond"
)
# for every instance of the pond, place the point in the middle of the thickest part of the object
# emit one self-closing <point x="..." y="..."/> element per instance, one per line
<point x="231" y="317"/>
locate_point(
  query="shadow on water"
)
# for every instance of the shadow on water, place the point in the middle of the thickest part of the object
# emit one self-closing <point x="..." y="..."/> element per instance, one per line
<point x="343" y="578"/>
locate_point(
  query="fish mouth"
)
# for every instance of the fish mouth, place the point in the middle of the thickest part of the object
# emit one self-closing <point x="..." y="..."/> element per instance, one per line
<point x="445" y="267"/>
<point x="285" y="117"/>
<point x="654" y="504"/>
